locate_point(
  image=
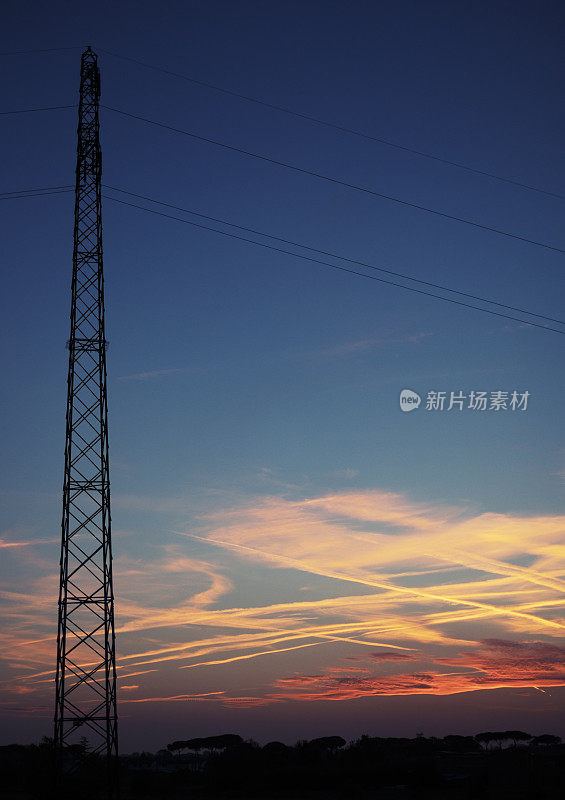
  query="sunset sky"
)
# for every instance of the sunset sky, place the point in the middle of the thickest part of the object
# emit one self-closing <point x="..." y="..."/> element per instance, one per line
<point x="295" y="556"/>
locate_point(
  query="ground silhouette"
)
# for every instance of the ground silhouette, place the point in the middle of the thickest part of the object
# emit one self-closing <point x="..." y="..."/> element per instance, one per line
<point x="491" y="764"/>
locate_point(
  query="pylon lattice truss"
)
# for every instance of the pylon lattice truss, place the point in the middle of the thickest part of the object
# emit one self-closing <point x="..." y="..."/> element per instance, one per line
<point x="86" y="672"/>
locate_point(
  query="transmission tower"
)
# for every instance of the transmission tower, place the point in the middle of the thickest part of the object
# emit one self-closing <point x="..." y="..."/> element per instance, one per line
<point x="85" y="706"/>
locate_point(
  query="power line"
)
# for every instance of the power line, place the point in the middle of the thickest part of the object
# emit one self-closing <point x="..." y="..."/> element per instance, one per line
<point x="291" y="112"/>
<point x="18" y="194"/>
<point x="36" y="194"/>
<point x="32" y="192"/>
<point x="333" y="255"/>
<point x="341" y="128"/>
<point x="336" y="181"/>
<point x="48" y="190"/>
<point x="33" y="110"/>
<point x="332" y="266"/>
<point x="45" y="50"/>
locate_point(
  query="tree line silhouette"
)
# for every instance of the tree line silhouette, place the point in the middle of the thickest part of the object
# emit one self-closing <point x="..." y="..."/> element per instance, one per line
<point x="215" y="743"/>
<point x="492" y="764"/>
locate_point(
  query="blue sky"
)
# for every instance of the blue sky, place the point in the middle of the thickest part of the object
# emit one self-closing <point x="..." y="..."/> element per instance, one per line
<point x="244" y="383"/>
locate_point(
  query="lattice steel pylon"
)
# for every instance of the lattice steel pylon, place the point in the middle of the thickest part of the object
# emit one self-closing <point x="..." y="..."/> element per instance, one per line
<point x="85" y="704"/>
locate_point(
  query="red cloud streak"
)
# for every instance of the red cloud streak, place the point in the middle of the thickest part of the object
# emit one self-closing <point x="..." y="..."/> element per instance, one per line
<point x="497" y="664"/>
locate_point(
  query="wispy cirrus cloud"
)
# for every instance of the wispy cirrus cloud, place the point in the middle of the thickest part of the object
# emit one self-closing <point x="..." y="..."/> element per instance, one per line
<point x="175" y="698"/>
<point x="384" y="657"/>
<point x="423" y="579"/>
<point x="363" y="537"/>
<point x="370" y="343"/>
<point x="152" y="375"/>
<point x="5" y="544"/>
